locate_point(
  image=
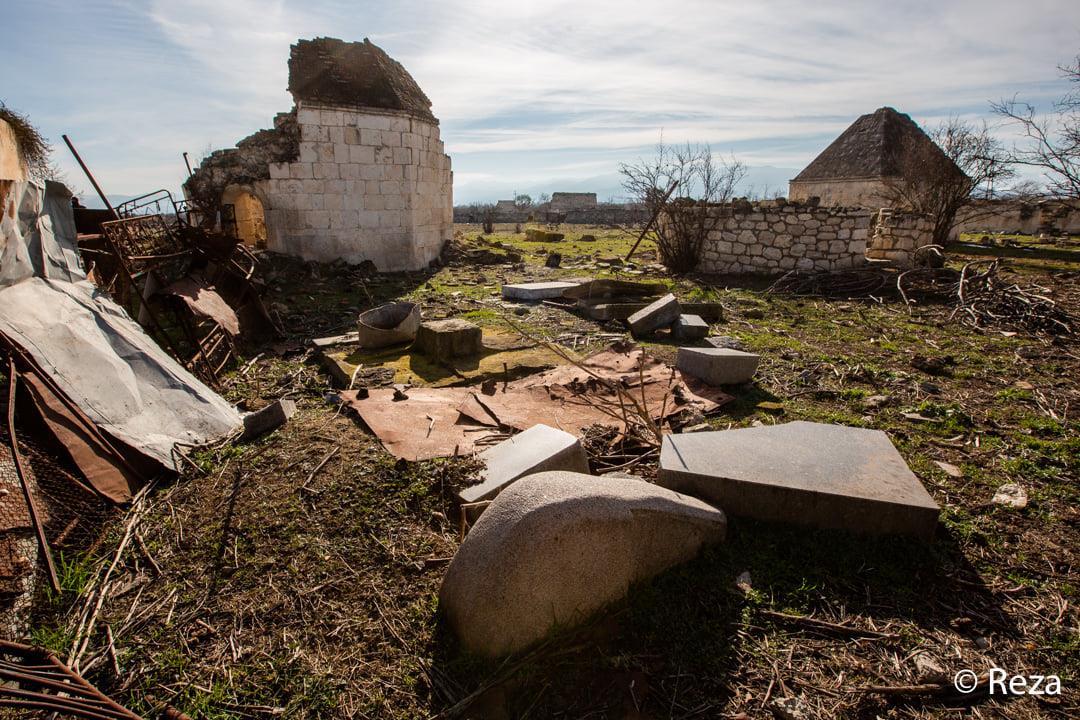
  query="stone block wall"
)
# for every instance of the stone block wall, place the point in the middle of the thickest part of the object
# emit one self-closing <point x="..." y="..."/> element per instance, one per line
<point x="1026" y="217"/>
<point x="775" y="236"/>
<point x="897" y="235"/>
<point x="367" y="185"/>
<point x="853" y="192"/>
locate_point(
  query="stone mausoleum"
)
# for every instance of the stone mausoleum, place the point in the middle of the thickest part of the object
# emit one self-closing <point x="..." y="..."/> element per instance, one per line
<point x="356" y="171"/>
<point x="877" y="150"/>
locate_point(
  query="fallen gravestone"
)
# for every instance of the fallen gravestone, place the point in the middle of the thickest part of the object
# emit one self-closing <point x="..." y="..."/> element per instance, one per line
<point x="690" y="327"/>
<point x="267" y="419"/>
<point x="718" y="366"/>
<point x="827" y="476"/>
<point x="536" y="291"/>
<point x="444" y="340"/>
<point x="652" y="317"/>
<point x="555" y="547"/>
<point x="538" y="449"/>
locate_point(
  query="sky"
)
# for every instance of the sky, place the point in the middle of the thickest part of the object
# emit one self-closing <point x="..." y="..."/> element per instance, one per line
<point x="532" y="97"/>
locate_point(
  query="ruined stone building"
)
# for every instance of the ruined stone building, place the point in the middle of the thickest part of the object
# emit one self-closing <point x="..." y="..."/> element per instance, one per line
<point x="857" y="168"/>
<point x="356" y="171"/>
<point x="566" y="201"/>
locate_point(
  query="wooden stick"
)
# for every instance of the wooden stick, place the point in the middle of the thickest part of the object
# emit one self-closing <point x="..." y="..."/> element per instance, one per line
<point x="655" y="215"/>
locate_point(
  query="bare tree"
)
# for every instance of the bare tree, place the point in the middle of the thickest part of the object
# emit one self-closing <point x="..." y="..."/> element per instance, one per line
<point x="930" y="184"/>
<point x="1051" y="143"/>
<point x="682" y="222"/>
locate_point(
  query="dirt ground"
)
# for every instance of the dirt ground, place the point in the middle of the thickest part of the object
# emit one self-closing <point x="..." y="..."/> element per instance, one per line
<point x="297" y="576"/>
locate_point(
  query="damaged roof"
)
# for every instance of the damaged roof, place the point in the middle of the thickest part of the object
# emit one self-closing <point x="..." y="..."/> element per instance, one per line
<point x="334" y="72"/>
<point x="873" y="146"/>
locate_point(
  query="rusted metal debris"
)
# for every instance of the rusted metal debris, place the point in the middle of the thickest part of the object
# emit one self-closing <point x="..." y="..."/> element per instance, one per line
<point x="568" y="397"/>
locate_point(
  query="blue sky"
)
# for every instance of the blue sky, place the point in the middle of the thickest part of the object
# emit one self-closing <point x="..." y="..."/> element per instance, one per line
<point x="533" y="96"/>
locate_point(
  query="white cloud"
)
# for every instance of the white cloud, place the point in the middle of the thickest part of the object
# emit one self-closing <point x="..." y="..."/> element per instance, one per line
<point x="574" y="85"/>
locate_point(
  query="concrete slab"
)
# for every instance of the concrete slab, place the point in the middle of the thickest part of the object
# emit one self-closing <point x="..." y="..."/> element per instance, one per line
<point x="690" y="327"/>
<point x="537" y="449"/>
<point x="718" y="366"/>
<point x="444" y="340"/>
<point x="827" y="476"/>
<point x="652" y="317"/>
<point x="267" y="419"/>
<point x="536" y="291"/>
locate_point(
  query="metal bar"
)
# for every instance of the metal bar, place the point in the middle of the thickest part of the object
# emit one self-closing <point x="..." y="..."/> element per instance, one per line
<point x="100" y="192"/>
<point x="188" y="163"/>
<point x="39" y="529"/>
<point x="655" y="215"/>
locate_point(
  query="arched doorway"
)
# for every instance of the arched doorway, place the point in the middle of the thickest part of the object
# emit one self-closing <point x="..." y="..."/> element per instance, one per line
<point x="247" y="215"/>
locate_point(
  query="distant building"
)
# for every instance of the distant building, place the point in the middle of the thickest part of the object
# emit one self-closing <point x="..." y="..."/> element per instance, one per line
<point x="566" y="201"/>
<point x="876" y="150"/>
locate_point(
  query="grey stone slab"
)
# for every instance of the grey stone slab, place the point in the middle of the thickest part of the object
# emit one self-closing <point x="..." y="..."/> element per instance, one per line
<point x="537" y="449"/>
<point x="690" y="327"/>
<point x="806" y="473"/>
<point x="652" y="317"/>
<point x="556" y="547"/>
<point x="267" y="419"/>
<point x="718" y="366"/>
<point x="536" y="290"/>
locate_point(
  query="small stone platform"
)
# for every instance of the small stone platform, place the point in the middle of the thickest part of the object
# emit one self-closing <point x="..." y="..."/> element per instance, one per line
<point x="445" y="340"/>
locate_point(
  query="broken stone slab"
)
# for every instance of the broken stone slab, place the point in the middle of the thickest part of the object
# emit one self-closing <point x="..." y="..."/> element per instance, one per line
<point x="827" y="476"/>
<point x="537" y="449"/>
<point x="1010" y="495"/>
<point x="267" y="419"/>
<point x="350" y="338"/>
<point x="555" y="547"/>
<point x="657" y="315"/>
<point x="445" y="340"/>
<point x="690" y="327"/>
<point x="390" y="324"/>
<point x="718" y="366"/>
<point x="536" y="291"/>
<point x="726" y="342"/>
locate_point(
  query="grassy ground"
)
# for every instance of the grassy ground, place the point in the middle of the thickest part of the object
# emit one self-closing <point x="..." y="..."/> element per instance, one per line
<point x="297" y="576"/>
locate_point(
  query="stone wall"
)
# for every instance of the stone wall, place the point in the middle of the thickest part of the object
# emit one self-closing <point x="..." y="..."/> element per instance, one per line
<point x="11" y="164"/>
<point x="772" y="237"/>
<point x="342" y="183"/>
<point x="867" y="192"/>
<point x="1023" y="217"/>
<point x="897" y="235"/>
<point x="367" y="185"/>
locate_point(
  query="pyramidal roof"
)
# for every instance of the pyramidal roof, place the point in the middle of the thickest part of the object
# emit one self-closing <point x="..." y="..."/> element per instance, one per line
<point x="873" y="146"/>
<point x="353" y="74"/>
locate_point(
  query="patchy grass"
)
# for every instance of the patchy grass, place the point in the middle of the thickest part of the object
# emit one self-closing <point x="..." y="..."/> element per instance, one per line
<point x="289" y="592"/>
